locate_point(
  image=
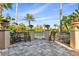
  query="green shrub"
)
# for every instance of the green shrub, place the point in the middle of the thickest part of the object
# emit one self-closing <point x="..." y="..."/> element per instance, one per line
<point x="54" y="30"/>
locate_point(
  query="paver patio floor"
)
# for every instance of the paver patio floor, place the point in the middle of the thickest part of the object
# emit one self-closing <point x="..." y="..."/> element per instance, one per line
<point x="38" y="48"/>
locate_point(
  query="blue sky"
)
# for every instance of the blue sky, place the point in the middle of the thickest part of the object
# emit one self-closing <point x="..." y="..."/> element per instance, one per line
<point x="44" y="13"/>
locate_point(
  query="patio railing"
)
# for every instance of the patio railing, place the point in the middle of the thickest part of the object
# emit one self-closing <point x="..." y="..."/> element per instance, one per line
<point x="65" y="37"/>
<point x="18" y="36"/>
<point x="23" y="36"/>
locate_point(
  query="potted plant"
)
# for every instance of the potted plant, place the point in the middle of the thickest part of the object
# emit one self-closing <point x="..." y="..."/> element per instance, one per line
<point x="4" y="22"/>
<point x="75" y="23"/>
<point x="31" y="26"/>
<point x="54" y="31"/>
<point x="47" y="26"/>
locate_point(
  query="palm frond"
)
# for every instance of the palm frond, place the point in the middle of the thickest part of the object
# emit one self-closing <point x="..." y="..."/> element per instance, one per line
<point x="7" y="5"/>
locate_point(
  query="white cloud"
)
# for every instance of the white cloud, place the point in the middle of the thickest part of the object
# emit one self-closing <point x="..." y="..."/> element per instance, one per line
<point x="34" y="11"/>
<point x="46" y="18"/>
<point x="38" y="10"/>
<point x="70" y="4"/>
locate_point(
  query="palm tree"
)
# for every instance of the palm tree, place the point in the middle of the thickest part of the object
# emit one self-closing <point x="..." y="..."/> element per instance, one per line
<point x="68" y="19"/>
<point x="74" y="15"/>
<point x="16" y="12"/>
<point x="29" y="17"/>
<point x="15" y="23"/>
<point x="9" y="18"/>
<point x="60" y="17"/>
<point x="55" y="25"/>
<point x="6" y="6"/>
<point x="77" y="13"/>
<point x="66" y="22"/>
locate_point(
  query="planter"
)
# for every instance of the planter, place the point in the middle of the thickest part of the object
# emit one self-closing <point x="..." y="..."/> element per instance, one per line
<point x="22" y="29"/>
<point x="5" y="24"/>
<point x="31" y="26"/>
<point x="47" y="26"/>
<point x="75" y="23"/>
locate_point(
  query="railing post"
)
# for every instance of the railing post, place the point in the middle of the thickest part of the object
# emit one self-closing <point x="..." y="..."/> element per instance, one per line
<point x="74" y="38"/>
<point x="31" y="33"/>
<point x="4" y="39"/>
<point x="47" y="34"/>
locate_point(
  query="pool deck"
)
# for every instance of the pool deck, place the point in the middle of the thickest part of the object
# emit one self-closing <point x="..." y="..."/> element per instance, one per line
<point x="39" y="48"/>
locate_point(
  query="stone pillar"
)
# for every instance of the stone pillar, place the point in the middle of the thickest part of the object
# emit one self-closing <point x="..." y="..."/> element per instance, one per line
<point x="47" y="34"/>
<point x="57" y="36"/>
<point x="31" y="32"/>
<point x="4" y="39"/>
<point x="74" y="38"/>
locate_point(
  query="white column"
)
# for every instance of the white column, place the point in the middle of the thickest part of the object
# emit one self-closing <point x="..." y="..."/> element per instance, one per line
<point x="4" y="39"/>
<point x="74" y="38"/>
<point x="47" y="34"/>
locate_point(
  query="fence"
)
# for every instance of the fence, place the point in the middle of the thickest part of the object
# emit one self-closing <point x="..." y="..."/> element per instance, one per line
<point x="23" y="36"/>
<point x="18" y="36"/>
<point x="39" y="35"/>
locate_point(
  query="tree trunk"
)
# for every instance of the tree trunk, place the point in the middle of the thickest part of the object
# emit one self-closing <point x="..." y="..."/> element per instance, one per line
<point x="0" y="9"/>
<point x="54" y="34"/>
<point x="29" y="37"/>
<point x="66" y="26"/>
<point x="60" y="17"/>
<point x="29" y="22"/>
<point x="16" y="12"/>
<point x="50" y="39"/>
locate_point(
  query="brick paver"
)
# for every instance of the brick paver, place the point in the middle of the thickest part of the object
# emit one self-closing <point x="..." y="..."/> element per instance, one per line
<point x="38" y="48"/>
